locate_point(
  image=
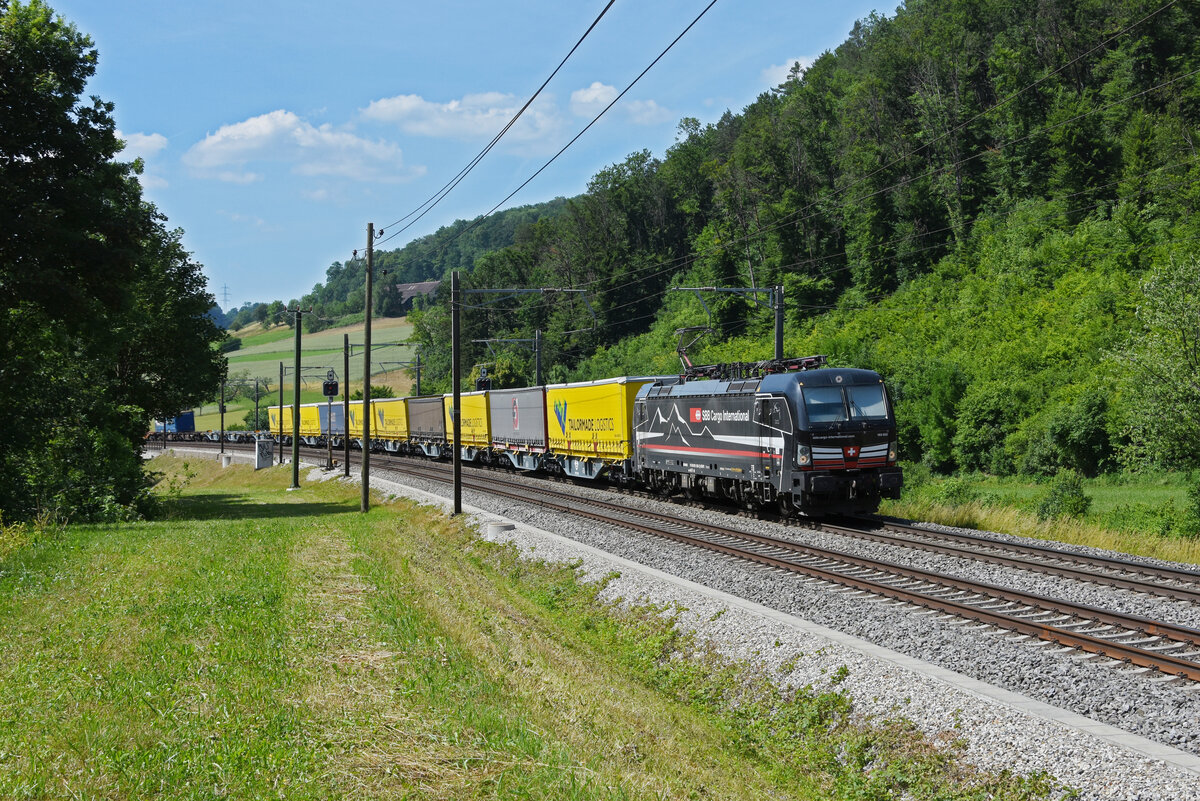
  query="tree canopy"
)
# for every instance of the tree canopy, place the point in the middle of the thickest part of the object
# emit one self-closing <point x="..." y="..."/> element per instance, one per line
<point x="964" y="196"/>
<point x="103" y="314"/>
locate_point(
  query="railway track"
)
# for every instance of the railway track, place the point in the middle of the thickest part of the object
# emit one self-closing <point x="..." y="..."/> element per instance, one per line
<point x="1161" y="580"/>
<point x="1143" y="643"/>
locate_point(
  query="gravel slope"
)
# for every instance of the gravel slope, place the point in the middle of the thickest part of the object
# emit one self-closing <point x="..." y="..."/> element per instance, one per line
<point x="997" y="735"/>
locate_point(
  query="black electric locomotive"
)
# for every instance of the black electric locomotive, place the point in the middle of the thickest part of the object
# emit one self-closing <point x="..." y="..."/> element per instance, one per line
<point x="804" y="437"/>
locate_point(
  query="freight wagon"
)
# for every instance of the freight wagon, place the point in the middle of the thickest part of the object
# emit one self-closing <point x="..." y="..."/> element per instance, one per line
<point x="474" y="424"/>
<point x="389" y="423"/>
<point x="427" y="424"/>
<point x="518" y="426"/>
<point x="591" y="430"/>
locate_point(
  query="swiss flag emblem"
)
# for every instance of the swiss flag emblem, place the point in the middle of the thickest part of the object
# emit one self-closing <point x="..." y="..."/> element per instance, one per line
<point x="696" y="415"/>
<point x="850" y="452"/>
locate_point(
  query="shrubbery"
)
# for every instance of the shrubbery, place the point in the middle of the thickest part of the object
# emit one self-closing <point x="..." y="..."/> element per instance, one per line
<point x="1064" y="498"/>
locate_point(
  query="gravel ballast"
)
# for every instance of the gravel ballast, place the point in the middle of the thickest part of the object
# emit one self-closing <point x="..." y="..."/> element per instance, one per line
<point x="998" y="733"/>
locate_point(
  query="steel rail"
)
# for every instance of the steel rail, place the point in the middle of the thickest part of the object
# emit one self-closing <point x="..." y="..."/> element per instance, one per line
<point x="623" y="516"/>
<point x="1179" y="573"/>
<point x="613" y="513"/>
<point x="1191" y="594"/>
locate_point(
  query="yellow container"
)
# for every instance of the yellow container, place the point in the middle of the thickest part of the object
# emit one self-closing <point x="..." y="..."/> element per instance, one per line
<point x="389" y="419"/>
<point x="475" y="422"/>
<point x="355" y="427"/>
<point x="593" y="419"/>
<point x="310" y="419"/>
<point x="274" y="414"/>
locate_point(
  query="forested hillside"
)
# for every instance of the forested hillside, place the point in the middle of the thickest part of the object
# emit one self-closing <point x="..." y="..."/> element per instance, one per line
<point x="972" y="198"/>
<point x="453" y="247"/>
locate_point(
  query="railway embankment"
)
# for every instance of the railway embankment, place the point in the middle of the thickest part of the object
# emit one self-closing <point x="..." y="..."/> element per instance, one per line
<point x="261" y="642"/>
<point x="1033" y="710"/>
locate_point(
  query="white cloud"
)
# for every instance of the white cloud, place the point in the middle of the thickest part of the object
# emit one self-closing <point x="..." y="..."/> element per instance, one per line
<point x="591" y="101"/>
<point x="776" y="74"/>
<point x="283" y="137"/>
<point x="647" y="112"/>
<point x="153" y="181"/>
<point x="473" y="117"/>
<point x="231" y="177"/>
<point x="141" y="146"/>
<point x="249" y="219"/>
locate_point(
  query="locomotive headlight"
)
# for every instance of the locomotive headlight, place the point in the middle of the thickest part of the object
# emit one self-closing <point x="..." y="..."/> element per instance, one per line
<point x="803" y="455"/>
<point x="893" y="449"/>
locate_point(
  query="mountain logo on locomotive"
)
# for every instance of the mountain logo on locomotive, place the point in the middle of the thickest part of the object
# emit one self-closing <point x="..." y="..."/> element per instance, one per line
<point x="791" y="433"/>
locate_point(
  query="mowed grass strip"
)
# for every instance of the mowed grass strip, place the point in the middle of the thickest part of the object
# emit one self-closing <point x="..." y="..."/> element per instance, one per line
<point x="152" y="659"/>
<point x="271" y="643"/>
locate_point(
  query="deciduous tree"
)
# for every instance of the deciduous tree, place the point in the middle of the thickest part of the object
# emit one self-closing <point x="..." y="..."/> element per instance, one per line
<point x="103" y="315"/>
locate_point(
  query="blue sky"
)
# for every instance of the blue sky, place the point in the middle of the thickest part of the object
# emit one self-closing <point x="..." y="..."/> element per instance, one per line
<point x="273" y="132"/>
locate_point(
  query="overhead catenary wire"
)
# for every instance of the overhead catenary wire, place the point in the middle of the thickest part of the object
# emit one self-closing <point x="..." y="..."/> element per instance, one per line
<point x="475" y="223"/>
<point x="794" y="216"/>
<point x="438" y="196"/>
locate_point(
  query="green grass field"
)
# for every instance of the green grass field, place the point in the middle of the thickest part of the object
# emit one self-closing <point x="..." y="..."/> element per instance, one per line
<point x="1149" y="514"/>
<point x="263" y="643"/>
<point x="263" y="349"/>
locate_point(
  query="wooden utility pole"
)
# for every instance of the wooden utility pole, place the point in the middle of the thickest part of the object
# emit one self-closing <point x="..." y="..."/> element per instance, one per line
<point x="296" y="408"/>
<point x="346" y="403"/>
<point x="454" y="407"/>
<point x="365" y="504"/>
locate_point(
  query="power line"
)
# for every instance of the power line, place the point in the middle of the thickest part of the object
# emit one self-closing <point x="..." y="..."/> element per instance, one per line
<point x="575" y="138"/>
<point x="794" y="216"/>
<point x="437" y="197"/>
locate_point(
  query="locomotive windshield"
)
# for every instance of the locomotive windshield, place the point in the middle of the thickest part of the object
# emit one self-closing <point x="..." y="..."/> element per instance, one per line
<point x="866" y="402"/>
<point x="840" y="404"/>
<point x="825" y="404"/>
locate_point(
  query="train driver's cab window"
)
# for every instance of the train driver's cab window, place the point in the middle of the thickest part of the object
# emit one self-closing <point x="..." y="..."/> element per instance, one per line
<point x="824" y="405"/>
<point x="867" y="402"/>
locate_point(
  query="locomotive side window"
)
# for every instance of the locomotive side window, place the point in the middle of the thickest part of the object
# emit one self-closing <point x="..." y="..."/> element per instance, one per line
<point x="825" y="404"/>
<point x="867" y="403"/>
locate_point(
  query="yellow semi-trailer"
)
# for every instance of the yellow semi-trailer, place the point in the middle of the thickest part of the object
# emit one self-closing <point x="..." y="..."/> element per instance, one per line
<point x="310" y="423"/>
<point x="474" y="423"/>
<point x="427" y="424"/>
<point x="389" y="423"/>
<point x="591" y="424"/>
<point x="275" y="413"/>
